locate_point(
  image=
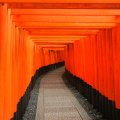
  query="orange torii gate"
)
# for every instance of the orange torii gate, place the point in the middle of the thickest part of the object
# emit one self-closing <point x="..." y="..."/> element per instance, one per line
<point x="85" y="34"/>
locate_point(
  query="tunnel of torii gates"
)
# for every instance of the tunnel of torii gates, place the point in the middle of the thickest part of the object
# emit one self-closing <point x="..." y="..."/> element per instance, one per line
<point x="85" y="34"/>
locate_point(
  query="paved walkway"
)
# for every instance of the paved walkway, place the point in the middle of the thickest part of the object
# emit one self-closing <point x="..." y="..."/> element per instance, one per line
<point x="56" y="101"/>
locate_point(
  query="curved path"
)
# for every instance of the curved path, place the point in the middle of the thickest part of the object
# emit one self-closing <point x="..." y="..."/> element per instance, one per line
<point x="56" y="101"/>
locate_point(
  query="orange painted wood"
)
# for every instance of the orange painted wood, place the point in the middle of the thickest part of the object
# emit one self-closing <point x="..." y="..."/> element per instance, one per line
<point x="96" y="62"/>
<point x="1" y="64"/>
<point x="63" y="1"/>
<point x="84" y="35"/>
<point x="116" y="59"/>
<point x="68" y="5"/>
<point x="66" y="12"/>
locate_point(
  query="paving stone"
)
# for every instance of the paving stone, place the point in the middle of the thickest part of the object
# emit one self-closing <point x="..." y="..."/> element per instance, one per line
<point x="56" y="101"/>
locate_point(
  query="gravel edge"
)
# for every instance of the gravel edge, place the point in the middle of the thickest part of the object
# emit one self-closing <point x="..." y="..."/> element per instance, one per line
<point x="30" y="112"/>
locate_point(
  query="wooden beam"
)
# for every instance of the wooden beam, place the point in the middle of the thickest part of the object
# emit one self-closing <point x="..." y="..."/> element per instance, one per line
<point x="50" y="43"/>
<point x="61" y="1"/>
<point x="63" y="19"/>
<point x="62" y="32"/>
<point x="66" y="12"/>
<point x="64" y="25"/>
<point x="57" y="37"/>
<point x="61" y="29"/>
<point x="73" y="5"/>
<point x="65" y="29"/>
<point x="53" y="43"/>
<point x="52" y="46"/>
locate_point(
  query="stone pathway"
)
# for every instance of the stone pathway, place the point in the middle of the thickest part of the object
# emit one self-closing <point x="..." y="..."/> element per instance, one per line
<point x="56" y="101"/>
